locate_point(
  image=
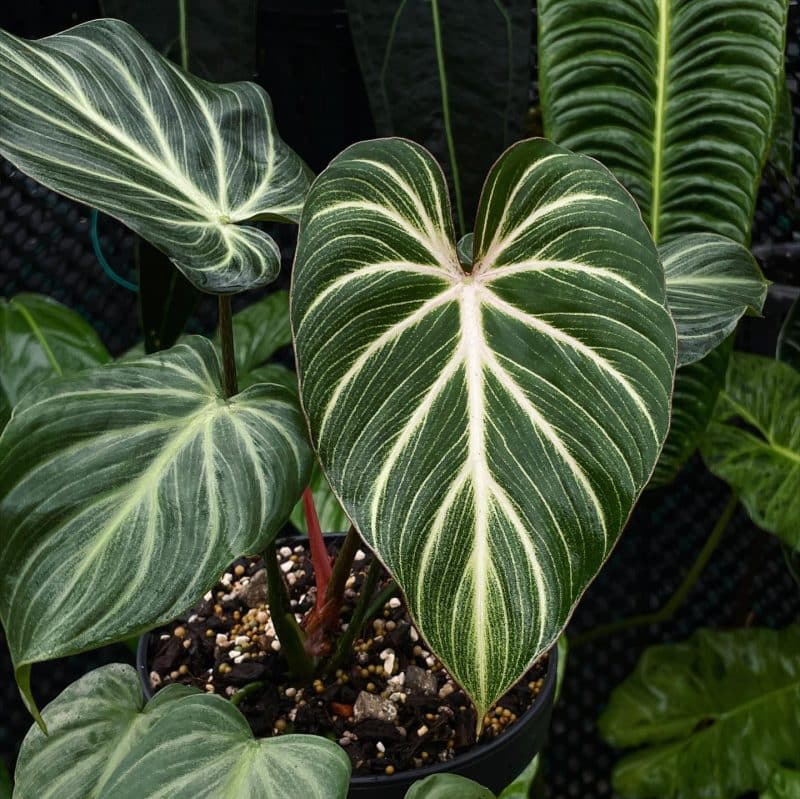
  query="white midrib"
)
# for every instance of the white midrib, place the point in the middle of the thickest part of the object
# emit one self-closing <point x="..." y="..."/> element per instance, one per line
<point x="662" y="43"/>
<point x="473" y="344"/>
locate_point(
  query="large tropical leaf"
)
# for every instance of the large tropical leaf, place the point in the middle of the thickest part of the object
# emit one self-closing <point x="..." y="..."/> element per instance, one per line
<point x="789" y="337"/>
<point x="676" y="97"/>
<point x="126" y="490"/>
<point x="40" y="338"/>
<point x="784" y="784"/>
<point x="689" y="705"/>
<point x="453" y="76"/>
<point x="711" y="283"/>
<point x="98" y="115"/>
<point x="487" y="432"/>
<point x="753" y="442"/>
<point x="104" y="743"/>
<point x="697" y="387"/>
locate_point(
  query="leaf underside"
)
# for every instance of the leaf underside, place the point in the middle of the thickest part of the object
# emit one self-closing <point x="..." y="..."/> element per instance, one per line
<point x="97" y="114"/>
<point x="125" y="491"/>
<point x="487" y="432"/>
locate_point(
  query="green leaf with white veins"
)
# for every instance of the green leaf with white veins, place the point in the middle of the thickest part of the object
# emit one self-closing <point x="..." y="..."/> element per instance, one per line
<point x="677" y="97"/>
<point x="711" y="283"/>
<point x="204" y="749"/>
<point x="126" y="490"/>
<point x="487" y="431"/>
<point x="97" y="114"/>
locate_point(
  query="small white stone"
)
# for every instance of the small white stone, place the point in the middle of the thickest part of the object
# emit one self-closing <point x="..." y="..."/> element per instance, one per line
<point x="422" y="730"/>
<point x="397" y="681"/>
<point x="446" y="690"/>
<point x="285" y="552"/>
<point x="222" y="640"/>
<point x="165" y="637"/>
<point x="298" y="549"/>
<point x="227" y="579"/>
<point x="230" y="691"/>
<point x="413" y="634"/>
<point x="385" y="653"/>
<point x="155" y="679"/>
<point x="388" y="664"/>
<point x="287" y="566"/>
<point x="429" y="661"/>
<point x="291" y="692"/>
<point x="276" y="645"/>
<point x="291" y="578"/>
<point x="360" y="555"/>
<point x="208" y="597"/>
<point x="380" y="747"/>
<point x="234" y="653"/>
<point x="192" y="618"/>
<point x="242" y="640"/>
<point x="394" y="602"/>
<point x="240" y="659"/>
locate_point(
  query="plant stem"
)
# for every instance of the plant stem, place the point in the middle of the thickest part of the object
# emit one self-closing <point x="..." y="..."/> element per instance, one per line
<point x="359" y="616"/>
<point x="245" y="691"/>
<point x="183" y="35"/>
<point x="342" y="566"/>
<point x="226" y="340"/>
<point x="671" y="606"/>
<point x="316" y="543"/>
<point x="290" y="635"/>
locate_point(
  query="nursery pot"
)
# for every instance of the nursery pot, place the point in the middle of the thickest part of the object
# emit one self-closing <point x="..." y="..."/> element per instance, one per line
<point x="494" y="764"/>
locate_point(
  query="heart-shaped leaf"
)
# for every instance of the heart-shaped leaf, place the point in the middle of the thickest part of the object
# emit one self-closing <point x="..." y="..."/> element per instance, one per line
<point x="486" y="431"/>
<point x="688" y="704"/>
<point x="447" y="786"/>
<point x="40" y="338"/>
<point x="711" y="283"/>
<point x="677" y="97"/>
<point x="753" y="442"/>
<point x="694" y="397"/>
<point x="105" y="743"/>
<point x="125" y="491"/>
<point x="97" y="114"/>
<point x="91" y="725"/>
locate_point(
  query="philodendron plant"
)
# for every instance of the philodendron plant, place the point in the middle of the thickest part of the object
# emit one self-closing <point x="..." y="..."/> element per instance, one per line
<point x="486" y="411"/>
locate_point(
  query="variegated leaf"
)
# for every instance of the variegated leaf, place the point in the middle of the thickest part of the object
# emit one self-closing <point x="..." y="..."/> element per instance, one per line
<point x="97" y="114"/>
<point x="711" y="283"/>
<point x="126" y="490"/>
<point x="677" y="97"/>
<point x="105" y="743"/>
<point x="487" y="431"/>
<point x="789" y="337"/>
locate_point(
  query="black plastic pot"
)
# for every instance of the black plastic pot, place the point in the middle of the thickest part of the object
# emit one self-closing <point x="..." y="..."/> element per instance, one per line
<point x="494" y="764"/>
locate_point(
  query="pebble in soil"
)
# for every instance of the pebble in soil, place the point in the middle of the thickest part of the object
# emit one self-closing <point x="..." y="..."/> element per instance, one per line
<point x="391" y="706"/>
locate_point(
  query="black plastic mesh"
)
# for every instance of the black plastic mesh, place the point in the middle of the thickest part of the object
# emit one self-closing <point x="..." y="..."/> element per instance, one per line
<point x="45" y="247"/>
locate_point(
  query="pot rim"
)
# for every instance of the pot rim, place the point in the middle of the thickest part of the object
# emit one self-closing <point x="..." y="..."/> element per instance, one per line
<point x="541" y="705"/>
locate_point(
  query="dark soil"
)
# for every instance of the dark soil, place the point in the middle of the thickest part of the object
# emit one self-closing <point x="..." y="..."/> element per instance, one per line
<point x="391" y="706"/>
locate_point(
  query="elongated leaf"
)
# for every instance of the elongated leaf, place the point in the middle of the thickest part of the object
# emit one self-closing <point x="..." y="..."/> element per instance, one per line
<point x="447" y="786"/>
<point x="784" y="784"/>
<point x="97" y="114"/>
<point x="92" y="725"/>
<point x="689" y="706"/>
<point x="216" y="41"/>
<point x="697" y="387"/>
<point x="789" y="337"/>
<point x="40" y="338"/>
<point x="332" y="518"/>
<point x="522" y="786"/>
<point x="711" y="283"/>
<point x="125" y="491"/>
<point x="104" y="742"/>
<point x="782" y="152"/>
<point x="487" y="432"/>
<point x="753" y="442"/>
<point x="676" y="97"/>
<point x="453" y="76"/>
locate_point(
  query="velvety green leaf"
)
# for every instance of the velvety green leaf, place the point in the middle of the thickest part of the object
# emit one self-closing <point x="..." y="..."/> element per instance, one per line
<point x="781" y="154"/>
<point x="453" y="76"/>
<point x="92" y="725"/>
<point x="487" y="432"/>
<point x="753" y="442"/>
<point x="220" y="38"/>
<point x="447" y="786"/>
<point x="332" y="518"/>
<point x="697" y="387"/>
<point x="676" y="97"/>
<point x="204" y="749"/>
<point x="789" y="337"/>
<point x="715" y="714"/>
<point x="784" y="784"/>
<point x="260" y="330"/>
<point x="97" y="114"/>
<point x="125" y="491"/>
<point x="711" y="283"/>
<point x="523" y="785"/>
<point x="166" y="297"/>
<point x="40" y="338"/>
